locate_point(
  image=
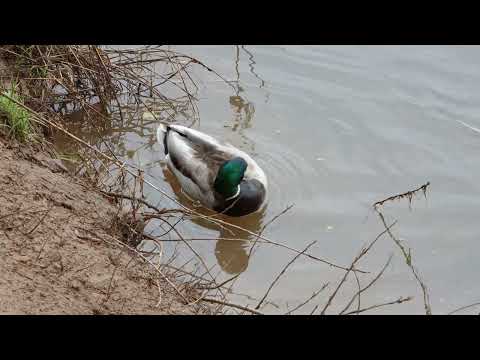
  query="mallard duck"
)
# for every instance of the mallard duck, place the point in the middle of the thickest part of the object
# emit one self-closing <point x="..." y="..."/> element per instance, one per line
<point x="221" y="177"/>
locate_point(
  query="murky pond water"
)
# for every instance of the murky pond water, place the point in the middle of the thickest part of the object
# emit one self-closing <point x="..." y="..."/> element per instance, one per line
<point x="337" y="128"/>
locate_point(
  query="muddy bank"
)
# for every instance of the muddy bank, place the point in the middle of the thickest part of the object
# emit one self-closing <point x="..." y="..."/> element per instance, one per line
<point x="60" y="250"/>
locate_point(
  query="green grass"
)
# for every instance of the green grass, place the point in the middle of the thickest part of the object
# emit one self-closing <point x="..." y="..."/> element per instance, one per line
<point x="17" y="118"/>
<point x="39" y="71"/>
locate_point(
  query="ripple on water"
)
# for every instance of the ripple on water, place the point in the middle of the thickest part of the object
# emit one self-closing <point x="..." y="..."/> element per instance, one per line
<point x="291" y="176"/>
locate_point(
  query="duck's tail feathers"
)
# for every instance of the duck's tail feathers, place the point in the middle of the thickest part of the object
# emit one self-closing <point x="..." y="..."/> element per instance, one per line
<point x="162" y="131"/>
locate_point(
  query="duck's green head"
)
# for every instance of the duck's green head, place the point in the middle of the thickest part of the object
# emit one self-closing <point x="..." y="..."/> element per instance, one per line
<point x="229" y="177"/>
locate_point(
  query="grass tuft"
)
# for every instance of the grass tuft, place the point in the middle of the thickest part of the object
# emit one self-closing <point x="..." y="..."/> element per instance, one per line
<point x="17" y="118"/>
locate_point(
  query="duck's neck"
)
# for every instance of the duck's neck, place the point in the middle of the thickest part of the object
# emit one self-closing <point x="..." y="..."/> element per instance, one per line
<point x="234" y="195"/>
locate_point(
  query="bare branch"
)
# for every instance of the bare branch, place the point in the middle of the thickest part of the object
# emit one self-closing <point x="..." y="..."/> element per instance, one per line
<point x="359" y="256"/>
<point x="409" y="195"/>
<point x="398" y="301"/>
<point x="308" y="300"/>
<point x="369" y="284"/>
<point x="463" y="308"/>
<point x="244" y="308"/>
<point x="281" y="273"/>
<point x="407" y="254"/>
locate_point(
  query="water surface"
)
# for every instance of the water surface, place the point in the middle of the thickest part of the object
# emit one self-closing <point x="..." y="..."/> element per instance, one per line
<point x="337" y="128"/>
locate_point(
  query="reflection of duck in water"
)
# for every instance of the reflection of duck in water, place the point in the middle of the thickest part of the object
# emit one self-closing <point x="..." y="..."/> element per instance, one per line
<point x="232" y="255"/>
<point x="221" y="177"/>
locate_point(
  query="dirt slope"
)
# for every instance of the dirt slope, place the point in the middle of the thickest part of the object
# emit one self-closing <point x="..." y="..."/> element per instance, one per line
<point x="57" y="251"/>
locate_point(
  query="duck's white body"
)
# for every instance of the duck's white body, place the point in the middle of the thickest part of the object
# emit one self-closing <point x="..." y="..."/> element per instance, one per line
<point x="195" y="157"/>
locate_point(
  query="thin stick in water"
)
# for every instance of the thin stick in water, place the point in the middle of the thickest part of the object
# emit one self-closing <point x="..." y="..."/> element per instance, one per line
<point x="281" y="273"/>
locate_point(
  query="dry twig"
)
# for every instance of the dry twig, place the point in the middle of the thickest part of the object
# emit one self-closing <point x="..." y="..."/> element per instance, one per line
<point x="281" y="273"/>
<point x="407" y="254"/>
<point x="398" y="301"/>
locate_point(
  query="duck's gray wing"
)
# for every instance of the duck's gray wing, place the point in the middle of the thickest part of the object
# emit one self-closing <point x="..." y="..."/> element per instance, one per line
<point x="197" y="138"/>
<point x="196" y="155"/>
